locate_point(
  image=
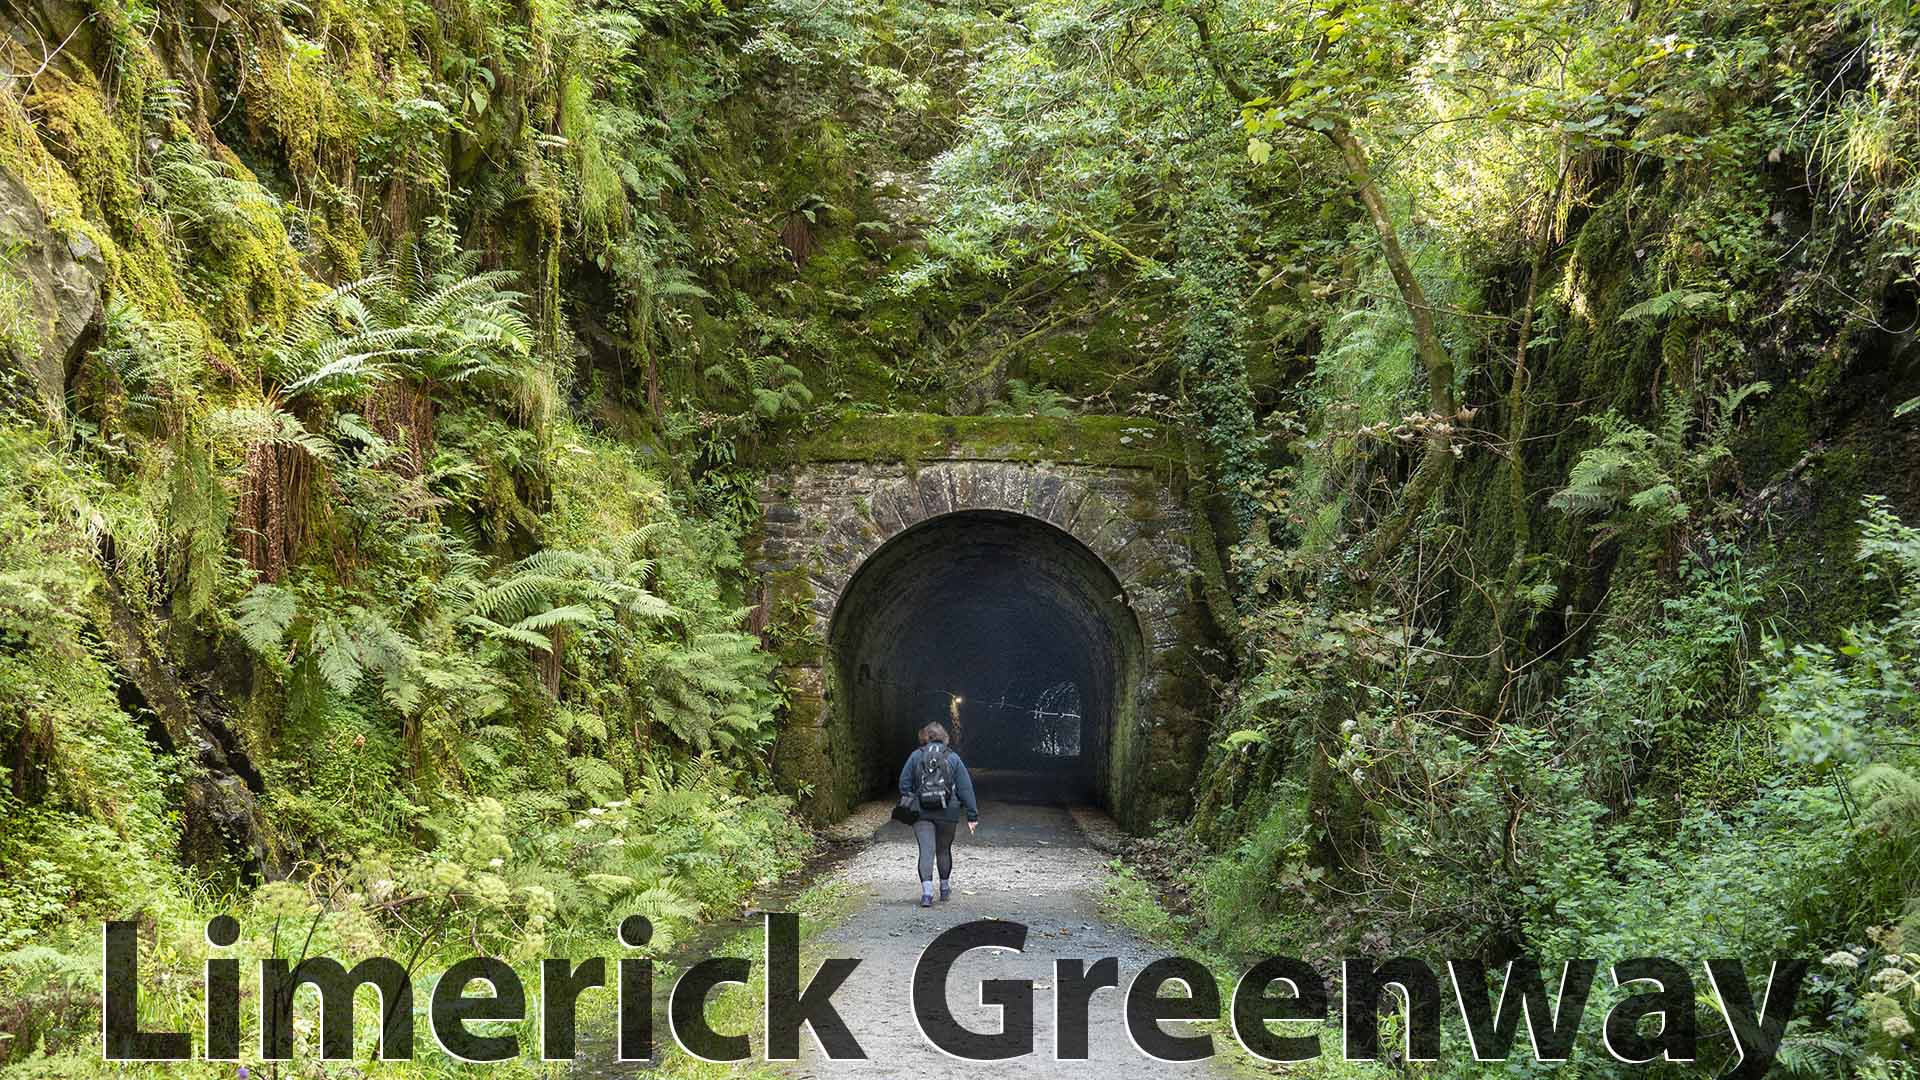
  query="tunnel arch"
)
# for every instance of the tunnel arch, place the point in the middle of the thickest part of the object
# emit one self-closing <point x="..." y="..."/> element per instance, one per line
<point x="825" y="518"/>
<point x="985" y="615"/>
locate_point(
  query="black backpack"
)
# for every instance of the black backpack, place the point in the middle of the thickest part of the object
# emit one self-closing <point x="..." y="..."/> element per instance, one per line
<point x="935" y="780"/>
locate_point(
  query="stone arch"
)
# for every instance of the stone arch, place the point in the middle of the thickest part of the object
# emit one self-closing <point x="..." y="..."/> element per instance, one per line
<point x="933" y="491"/>
<point x="825" y="521"/>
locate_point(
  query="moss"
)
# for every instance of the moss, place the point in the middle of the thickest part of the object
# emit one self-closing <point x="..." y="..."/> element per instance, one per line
<point x="72" y="154"/>
<point x="803" y="758"/>
<point x="1117" y="441"/>
<point x="1821" y="550"/>
<point x="140" y="272"/>
<point x="838" y="294"/>
<point x="790" y="627"/>
<point x="252" y="275"/>
<point x="73" y="124"/>
<point x="310" y="101"/>
<point x="1103" y="357"/>
<point x="23" y="156"/>
<point x="1204" y="545"/>
<point x="339" y="238"/>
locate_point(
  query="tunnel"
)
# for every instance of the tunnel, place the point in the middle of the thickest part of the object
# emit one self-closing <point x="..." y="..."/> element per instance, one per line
<point x="1004" y="628"/>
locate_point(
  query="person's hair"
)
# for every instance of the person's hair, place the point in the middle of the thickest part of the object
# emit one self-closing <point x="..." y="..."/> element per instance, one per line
<point x="933" y="733"/>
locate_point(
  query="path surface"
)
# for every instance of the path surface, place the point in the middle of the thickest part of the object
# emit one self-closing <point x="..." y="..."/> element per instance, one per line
<point x="1029" y="863"/>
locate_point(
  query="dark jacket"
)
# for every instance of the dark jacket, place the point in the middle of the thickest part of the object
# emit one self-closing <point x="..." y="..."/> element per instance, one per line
<point x="962" y="786"/>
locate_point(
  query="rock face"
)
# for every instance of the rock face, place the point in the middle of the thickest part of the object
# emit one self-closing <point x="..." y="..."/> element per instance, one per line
<point x="50" y="303"/>
<point x="221" y="817"/>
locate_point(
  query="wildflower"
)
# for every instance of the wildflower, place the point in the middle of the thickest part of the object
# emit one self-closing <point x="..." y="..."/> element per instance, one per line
<point x="1897" y="1026"/>
<point x="1843" y="959"/>
<point x="1888" y="978"/>
<point x="496" y="862"/>
<point x="597" y="811"/>
<point x="616" y="842"/>
<point x="583" y="823"/>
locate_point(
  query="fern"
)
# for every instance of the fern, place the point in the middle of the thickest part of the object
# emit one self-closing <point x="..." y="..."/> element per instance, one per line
<point x="567" y="615"/>
<point x="266" y="425"/>
<point x="1655" y="476"/>
<point x="668" y="910"/>
<point x="582" y="721"/>
<point x="594" y="777"/>
<point x="1675" y="300"/>
<point x="263" y="616"/>
<point x="1889" y="798"/>
<point x="446" y="327"/>
<point x="1815" y="1056"/>
<point x="1036" y="400"/>
<point x="770" y="385"/>
<point x="519" y="595"/>
<point x="1605" y="475"/>
<point x="337" y="656"/>
<point x="499" y="632"/>
<point x="204" y="198"/>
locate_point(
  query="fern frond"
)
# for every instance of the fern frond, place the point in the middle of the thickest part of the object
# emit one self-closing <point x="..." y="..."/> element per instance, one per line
<point x="1675" y="300"/>
<point x="263" y="616"/>
<point x="497" y="631"/>
<point x="336" y="656"/>
<point x="569" y="615"/>
<point x="1889" y="797"/>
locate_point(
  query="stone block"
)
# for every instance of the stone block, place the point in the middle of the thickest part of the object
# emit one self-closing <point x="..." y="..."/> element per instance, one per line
<point x="965" y="477"/>
<point x="1046" y="490"/>
<point x="935" y="499"/>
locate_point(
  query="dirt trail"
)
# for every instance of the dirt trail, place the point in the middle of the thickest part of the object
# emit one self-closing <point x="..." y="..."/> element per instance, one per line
<point x="1031" y="864"/>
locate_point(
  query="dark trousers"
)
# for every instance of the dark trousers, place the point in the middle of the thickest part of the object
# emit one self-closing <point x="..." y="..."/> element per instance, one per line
<point x="936" y="841"/>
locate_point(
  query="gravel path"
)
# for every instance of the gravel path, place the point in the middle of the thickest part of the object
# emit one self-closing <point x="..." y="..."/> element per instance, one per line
<point x="1029" y="863"/>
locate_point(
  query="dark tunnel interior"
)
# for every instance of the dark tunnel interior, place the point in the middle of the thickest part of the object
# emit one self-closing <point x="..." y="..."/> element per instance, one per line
<point x="1005" y="622"/>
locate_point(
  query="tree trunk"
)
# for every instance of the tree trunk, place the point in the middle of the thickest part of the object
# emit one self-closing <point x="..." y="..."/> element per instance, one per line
<point x="1436" y="466"/>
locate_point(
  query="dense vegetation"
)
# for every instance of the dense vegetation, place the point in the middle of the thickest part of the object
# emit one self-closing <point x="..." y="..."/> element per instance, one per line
<point x="383" y="378"/>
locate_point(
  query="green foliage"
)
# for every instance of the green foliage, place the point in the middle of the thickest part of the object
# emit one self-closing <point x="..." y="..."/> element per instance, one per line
<point x="1672" y="301"/>
<point x="449" y="545"/>
<point x="447" y="328"/>
<point x="1846" y="707"/>
<point x="1212" y="352"/>
<point x="342" y="496"/>
<point x="769" y="385"/>
<point x="86" y="828"/>
<point x="1025" y="400"/>
<point x="1653" y="479"/>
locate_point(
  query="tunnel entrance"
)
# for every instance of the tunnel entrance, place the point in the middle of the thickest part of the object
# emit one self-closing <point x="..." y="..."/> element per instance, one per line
<point x="1006" y="629"/>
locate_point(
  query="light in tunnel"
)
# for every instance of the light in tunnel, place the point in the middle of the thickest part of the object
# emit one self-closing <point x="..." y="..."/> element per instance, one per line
<point x="1056" y="721"/>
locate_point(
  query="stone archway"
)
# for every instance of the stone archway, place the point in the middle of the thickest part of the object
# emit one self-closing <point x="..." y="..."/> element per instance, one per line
<point x="830" y="526"/>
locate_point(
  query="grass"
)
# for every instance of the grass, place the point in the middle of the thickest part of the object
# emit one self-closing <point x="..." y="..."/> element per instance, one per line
<point x="738" y="1007"/>
<point x="1129" y="900"/>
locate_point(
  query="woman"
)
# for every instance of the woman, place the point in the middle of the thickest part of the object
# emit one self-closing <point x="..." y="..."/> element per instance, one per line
<point x="935" y="779"/>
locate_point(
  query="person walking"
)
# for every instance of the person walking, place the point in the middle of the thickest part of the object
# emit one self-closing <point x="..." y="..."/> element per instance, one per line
<point x="935" y="781"/>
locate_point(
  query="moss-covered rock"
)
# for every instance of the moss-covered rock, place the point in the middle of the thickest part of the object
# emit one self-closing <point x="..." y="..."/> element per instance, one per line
<point x="1113" y="441"/>
<point x="49" y="296"/>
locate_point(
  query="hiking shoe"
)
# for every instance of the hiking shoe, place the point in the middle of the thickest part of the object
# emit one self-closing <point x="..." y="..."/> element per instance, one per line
<point x="946" y="891"/>
<point x="926" y="900"/>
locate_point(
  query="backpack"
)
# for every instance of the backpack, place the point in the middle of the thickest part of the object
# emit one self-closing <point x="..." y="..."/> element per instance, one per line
<point x="934" y="782"/>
